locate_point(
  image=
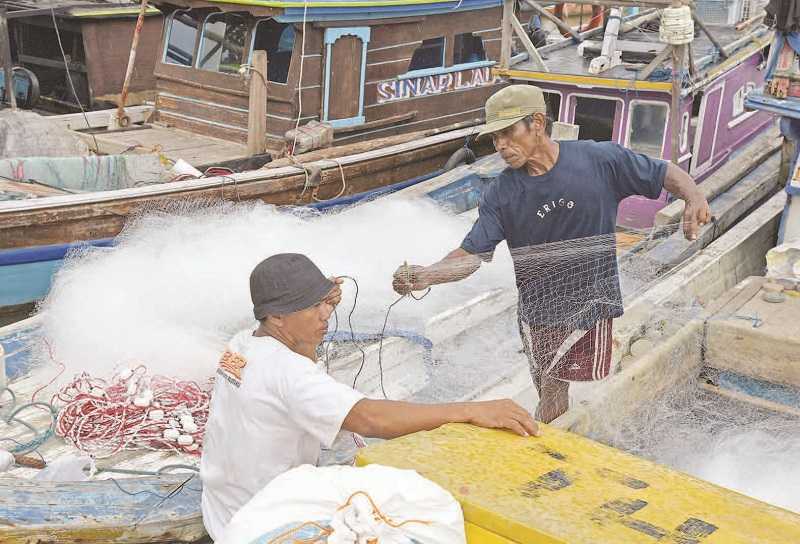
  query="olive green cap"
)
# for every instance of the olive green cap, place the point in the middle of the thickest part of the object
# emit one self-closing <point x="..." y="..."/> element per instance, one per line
<point x="511" y="104"/>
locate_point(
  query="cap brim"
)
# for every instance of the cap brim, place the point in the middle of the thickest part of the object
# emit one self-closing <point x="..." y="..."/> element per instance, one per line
<point x="498" y="125"/>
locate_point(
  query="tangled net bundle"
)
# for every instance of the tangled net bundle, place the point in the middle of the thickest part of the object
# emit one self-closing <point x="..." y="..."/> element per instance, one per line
<point x="132" y="411"/>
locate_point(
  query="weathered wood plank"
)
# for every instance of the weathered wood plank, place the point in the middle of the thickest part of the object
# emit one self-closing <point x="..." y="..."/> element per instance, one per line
<point x="101" y="215"/>
<point x="738" y="166"/>
<point x="727" y="210"/>
<point x="100" y="118"/>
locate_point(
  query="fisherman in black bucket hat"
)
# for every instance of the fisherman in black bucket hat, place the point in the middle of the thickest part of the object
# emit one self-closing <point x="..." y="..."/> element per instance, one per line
<point x="273" y="406"/>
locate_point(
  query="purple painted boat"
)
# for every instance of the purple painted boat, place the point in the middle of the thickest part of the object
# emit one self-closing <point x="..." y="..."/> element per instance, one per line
<point x="618" y="104"/>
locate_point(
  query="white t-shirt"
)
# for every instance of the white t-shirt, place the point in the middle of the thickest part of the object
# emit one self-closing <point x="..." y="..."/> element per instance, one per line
<point x="271" y="411"/>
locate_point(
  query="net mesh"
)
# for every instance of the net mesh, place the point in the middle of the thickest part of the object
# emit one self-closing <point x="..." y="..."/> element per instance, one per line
<point x="174" y="291"/>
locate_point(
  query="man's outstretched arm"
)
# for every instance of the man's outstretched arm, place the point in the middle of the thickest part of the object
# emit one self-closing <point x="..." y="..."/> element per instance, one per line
<point x="696" y="213"/>
<point x="390" y="419"/>
<point x="456" y="266"/>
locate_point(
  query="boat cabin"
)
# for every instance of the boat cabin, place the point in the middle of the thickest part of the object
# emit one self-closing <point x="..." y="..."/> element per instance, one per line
<point x="368" y="69"/>
<point x="96" y="39"/>
<point x="630" y="102"/>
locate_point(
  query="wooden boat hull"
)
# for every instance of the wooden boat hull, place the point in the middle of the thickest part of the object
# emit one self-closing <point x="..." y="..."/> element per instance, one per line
<point x="150" y="509"/>
<point x="36" y="234"/>
<point x="72" y="218"/>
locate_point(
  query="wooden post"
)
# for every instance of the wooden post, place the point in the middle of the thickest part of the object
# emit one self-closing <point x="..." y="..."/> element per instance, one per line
<point x="555" y="20"/>
<point x="533" y="54"/>
<point x="122" y="119"/>
<point x="506" y="34"/>
<point x="257" y="116"/>
<point x="713" y="39"/>
<point x="678" y="54"/>
<point x="5" y="58"/>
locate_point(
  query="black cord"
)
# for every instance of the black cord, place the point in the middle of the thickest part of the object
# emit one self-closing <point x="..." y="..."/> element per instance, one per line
<point x="381" y="336"/>
<point x="352" y="331"/>
<point x="69" y="79"/>
<point x="328" y="344"/>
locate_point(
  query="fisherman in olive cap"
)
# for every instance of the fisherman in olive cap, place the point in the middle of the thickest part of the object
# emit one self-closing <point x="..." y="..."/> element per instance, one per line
<point x="554" y="192"/>
<point x="273" y="405"/>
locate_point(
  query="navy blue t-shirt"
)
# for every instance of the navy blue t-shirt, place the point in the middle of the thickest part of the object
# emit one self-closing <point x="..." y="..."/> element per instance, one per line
<point x="576" y="283"/>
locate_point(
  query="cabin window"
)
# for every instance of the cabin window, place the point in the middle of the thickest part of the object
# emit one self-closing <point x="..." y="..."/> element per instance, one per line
<point x="182" y="37"/>
<point x="684" y="135"/>
<point x="553" y="101"/>
<point x="739" y="97"/>
<point x="277" y="39"/>
<point x="646" y="129"/>
<point x="428" y="55"/>
<point x="595" y="117"/>
<point x="468" y="48"/>
<point x="222" y="44"/>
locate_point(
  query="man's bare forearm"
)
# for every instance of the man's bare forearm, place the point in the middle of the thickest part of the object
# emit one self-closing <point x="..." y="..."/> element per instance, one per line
<point x="389" y="419"/>
<point x="456" y="266"/>
<point x="681" y="184"/>
<point x="696" y="212"/>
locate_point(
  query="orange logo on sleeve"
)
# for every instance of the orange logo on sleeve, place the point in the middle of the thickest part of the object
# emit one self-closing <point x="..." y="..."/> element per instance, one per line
<point x="230" y="367"/>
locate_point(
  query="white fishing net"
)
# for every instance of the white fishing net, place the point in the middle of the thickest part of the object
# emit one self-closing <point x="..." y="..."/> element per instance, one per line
<point x="175" y="289"/>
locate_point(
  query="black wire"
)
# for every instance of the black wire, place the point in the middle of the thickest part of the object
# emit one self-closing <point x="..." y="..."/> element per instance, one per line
<point x="69" y="78"/>
<point x="143" y="492"/>
<point x="352" y="331"/>
<point x="381" y="336"/>
<point x="328" y="344"/>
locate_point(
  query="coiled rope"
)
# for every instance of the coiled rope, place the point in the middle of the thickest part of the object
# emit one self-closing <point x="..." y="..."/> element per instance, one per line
<point x="677" y="26"/>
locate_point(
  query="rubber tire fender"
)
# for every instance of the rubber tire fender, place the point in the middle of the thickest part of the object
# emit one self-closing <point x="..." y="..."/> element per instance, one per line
<point x="462" y="155"/>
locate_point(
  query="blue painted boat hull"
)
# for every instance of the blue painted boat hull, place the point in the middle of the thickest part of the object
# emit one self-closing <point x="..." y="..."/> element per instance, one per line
<point x="164" y="508"/>
<point x="27" y="273"/>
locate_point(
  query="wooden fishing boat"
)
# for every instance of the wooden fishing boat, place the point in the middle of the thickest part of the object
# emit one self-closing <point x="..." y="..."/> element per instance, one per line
<point x="406" y="369"/>
<point x="400" y="113"/>
<point x="36" y="233"/>
<point x="96" y="36"/>
<point x="781" y="96"/>
<point x="406" y="375"/>
<point x="618" y="85"/>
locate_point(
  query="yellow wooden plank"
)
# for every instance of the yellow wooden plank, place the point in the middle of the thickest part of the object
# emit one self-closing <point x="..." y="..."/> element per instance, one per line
<point x="479" y="535"/>
<point x="584" y="81"/>
<point x="564" y="488"/>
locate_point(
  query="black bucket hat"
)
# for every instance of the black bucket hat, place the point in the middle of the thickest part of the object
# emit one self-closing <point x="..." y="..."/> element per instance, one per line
<point x="286" y="283"/>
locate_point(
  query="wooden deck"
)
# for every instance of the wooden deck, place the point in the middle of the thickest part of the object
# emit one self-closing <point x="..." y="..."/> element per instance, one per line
<point x="196" y="149"/>
<point x="565" y="65"/>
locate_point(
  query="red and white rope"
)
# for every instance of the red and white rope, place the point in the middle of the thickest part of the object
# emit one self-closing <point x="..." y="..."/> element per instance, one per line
<point x="132" y="411"/>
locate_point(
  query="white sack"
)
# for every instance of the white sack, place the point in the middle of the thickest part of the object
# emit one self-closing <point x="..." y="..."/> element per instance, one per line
<point x="312" y="494"/>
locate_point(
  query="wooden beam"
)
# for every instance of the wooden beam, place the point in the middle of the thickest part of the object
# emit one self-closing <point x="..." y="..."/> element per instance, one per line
<point x="628" y="23"/>
<point x="655" y="63"/>
<point x="5" y="59"/>
<point x="257" y="116"/>
<point x="750" y="399"/>
<point x="506" y="34"/>
<point x="59" y="11"/>
<point x="734" y="169"/>
<point x="372" y="22"/>
<point x="690" y="60"/>
<point x="378" y="123"/>
<point x="555" y="20"/>
<point x="100" y="118"/>
<point x="533" y="54"/>
<point x="51" y="63"/>
<point x="678" y="53"/>
<point x="724" y="54"/>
